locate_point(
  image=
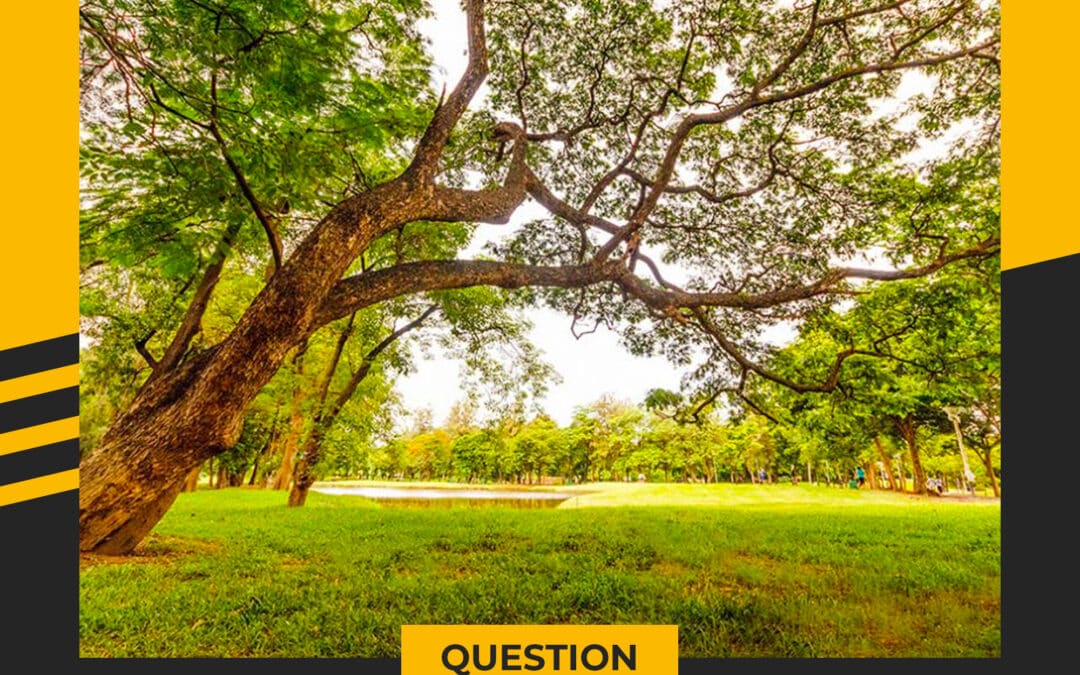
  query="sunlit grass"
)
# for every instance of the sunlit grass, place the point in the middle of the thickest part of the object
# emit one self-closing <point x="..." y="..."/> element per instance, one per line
<point x="744" y="570"/>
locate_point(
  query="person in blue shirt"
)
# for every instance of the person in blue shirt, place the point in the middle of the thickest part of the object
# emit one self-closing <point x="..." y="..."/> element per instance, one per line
<point x="860" y="476"/>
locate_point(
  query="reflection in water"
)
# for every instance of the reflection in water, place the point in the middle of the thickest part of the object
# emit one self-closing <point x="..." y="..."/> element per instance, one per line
<point x="451" y="497"/>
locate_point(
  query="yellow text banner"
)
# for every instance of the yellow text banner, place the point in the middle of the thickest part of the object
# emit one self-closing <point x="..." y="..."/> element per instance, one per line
<point x="579" y="649"/>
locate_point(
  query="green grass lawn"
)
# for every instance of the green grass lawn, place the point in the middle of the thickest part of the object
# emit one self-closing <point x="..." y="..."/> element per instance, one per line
<point x="744" y="570"/>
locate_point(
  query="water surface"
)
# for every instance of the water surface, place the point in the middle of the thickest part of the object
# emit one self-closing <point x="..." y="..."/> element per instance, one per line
<point x="450" y="497"/>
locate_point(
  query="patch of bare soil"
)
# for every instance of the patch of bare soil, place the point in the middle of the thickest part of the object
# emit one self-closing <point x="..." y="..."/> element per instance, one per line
<point x="154" y="549"/>
<point x="963" y="497"/>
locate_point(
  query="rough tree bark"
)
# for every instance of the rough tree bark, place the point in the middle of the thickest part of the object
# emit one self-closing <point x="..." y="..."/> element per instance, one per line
<point x="885" y="463"/>
<point x="906" y="427"/>
<point x="986" y="459"/>
<point x="291" y="441"/>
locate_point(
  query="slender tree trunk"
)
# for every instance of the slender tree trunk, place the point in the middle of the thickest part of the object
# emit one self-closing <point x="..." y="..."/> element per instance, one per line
<point x="298" y="476"/>
<point x="886" y="463"/>
<point x="304" y="473"/>
<point x="191" y="483"/>
<point x="987" y="462"/>
<point x="284" y="473"/>
<point x="291" y="444"/>
<point x="263" y="452"/>
<point x="969" y="476"/>
<point x="907" y="429"/>
<point x="255" y="468"/>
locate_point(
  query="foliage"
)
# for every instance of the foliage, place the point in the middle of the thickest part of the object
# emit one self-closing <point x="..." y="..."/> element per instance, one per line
<point x="913" y="349"/>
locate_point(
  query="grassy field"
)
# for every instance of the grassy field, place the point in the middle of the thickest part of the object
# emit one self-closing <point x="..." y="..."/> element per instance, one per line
<point x="744" y="570"/>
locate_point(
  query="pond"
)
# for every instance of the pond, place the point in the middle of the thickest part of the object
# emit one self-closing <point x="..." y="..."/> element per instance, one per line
<point x="450" y="497"/>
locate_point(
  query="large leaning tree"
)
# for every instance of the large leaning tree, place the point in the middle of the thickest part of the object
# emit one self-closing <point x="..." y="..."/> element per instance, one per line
<point x="709" y="169"/>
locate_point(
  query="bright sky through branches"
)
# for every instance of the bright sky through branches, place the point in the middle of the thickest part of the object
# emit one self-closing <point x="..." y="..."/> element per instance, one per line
<point x="596" y="364"/>
<point x="590" y="367"/>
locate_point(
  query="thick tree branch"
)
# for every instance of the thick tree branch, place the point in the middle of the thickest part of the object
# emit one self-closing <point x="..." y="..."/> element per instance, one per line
<point x="492" y="205"/>
<point x="425" y="162"/>
<point x="369" y="288"/>
<point x="373" y="287"/>
<point x="669" y="300"/>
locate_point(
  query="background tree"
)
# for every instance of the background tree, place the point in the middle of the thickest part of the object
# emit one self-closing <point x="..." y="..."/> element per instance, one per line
<point x="912" y="350"/>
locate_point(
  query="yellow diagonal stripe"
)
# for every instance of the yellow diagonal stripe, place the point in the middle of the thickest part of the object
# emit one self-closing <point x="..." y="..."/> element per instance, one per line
<point x="1039" y="142"/>
<point x="39" y="383"/>
<point x="39" y="177"/>
<point x="39" y="487"/>
<point x="37" y="436"/>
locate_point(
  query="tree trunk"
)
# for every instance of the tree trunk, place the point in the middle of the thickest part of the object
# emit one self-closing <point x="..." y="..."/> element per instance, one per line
<point x="969" y="476"/>
<point x="182" y="418"/>
<point x="907" y="428"/>
<point x="987" y="462"/>
<point x="304" y="473"/>
<point x="265" y="451"/>
<point x="255" y="469"/>
<point x="886" y="463"/>
<point x="283" y="475"/>
<point x="299" y="492"/>
<point x="133" y="478"/>
<point x="296" y="426"/>
<point x="191" y="483"/>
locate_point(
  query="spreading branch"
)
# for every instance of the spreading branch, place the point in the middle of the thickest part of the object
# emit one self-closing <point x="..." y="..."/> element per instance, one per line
<point x="428" y="151"/>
